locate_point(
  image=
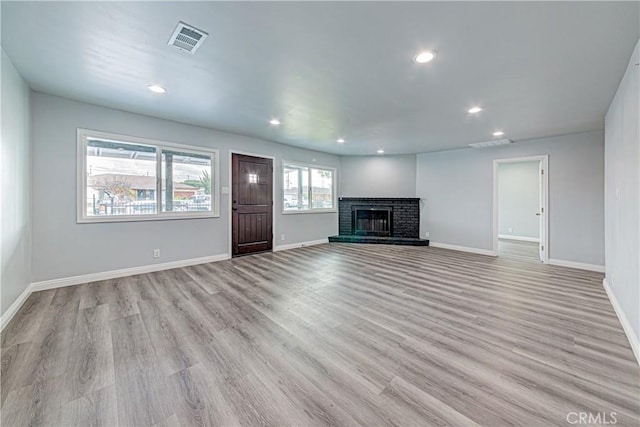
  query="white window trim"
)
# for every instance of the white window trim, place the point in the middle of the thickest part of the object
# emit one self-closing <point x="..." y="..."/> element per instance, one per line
<point x="310" y="210"/>
<point x="81" y="179"/>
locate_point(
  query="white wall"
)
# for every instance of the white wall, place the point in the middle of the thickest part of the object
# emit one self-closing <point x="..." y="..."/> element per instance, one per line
<point x="457" y="192"/>
<point x="622" y="196"/>
<point x="15" y="164"/>
<point x="519" y="199"/>
<point x="62" y="248"/>
<point x="378" y="176"/>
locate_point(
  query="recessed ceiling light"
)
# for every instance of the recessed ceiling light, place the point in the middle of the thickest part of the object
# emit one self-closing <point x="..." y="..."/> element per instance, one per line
<point x="157" y="89"/>
<point x="474" y="110"/>
<point x="498" y="133"/>
<point x="340" y="140"/>
<point x="424" y="57"/>
<point x="274" y="122"/>
<point x="380" y="151"/>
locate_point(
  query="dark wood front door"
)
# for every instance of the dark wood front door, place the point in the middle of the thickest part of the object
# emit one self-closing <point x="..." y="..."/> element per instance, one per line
<point x="252" y="204"/>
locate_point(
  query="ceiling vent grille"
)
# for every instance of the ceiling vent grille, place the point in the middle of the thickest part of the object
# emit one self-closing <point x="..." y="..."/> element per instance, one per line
<point x="187" y="38"/>
<point x="490" y="143"/>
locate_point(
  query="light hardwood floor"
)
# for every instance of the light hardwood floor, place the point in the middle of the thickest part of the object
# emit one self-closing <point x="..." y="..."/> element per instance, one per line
<point x="334" y="334"/>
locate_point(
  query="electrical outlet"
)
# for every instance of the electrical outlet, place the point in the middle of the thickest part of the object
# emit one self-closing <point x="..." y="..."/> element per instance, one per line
<point x="510" y="229"/>
<point x="282" y="237"/>
<point x="426" y="234"/>
<point x="156" y="253"/>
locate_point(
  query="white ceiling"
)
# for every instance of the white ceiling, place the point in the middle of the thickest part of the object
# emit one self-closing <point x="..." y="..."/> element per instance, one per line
<point x="336" y="69"/>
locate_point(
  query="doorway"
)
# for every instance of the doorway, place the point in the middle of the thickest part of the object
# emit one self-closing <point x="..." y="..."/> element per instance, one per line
<point x="251" y="204"/>
<point x="520" y="214"/>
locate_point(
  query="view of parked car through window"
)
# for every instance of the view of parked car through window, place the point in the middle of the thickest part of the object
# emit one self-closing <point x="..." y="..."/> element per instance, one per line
<point x="305" y="183"/>
<point x="122" y="179"/>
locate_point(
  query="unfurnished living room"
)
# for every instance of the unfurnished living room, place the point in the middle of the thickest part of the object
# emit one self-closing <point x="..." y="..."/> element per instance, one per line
<point x="320" y="213"/>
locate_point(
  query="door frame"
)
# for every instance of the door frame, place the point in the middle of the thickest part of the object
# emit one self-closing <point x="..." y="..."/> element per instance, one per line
<point x="543" y="162"/>
<point x="273" y="210"/>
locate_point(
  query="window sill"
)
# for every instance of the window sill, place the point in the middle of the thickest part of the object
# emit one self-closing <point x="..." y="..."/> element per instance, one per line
<point x="138" y="218"/>
<point x="312" y="211"/>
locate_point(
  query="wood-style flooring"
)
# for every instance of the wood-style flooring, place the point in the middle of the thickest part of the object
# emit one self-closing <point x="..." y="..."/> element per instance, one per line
<point x="519" y="249"/>
<point x="335" y="334"/>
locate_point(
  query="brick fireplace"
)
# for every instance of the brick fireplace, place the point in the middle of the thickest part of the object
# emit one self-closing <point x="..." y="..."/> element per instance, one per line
<point x="379" y="220"/>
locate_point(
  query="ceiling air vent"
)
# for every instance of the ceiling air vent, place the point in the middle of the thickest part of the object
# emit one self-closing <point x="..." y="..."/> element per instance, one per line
<point x="187" y="38"/>
<point x="491" y="143"/>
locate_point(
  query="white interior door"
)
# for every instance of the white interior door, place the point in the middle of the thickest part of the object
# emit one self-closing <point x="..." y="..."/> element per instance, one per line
<point x="540" y="212"/>
<point x="543" y="212"/>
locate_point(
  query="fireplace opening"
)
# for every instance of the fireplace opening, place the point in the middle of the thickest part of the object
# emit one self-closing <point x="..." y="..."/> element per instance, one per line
<point x="372" y="220"/>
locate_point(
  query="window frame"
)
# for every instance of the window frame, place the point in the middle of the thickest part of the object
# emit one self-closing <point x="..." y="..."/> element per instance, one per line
<point x="83" y="136"/>
<point x="310" y="209"/>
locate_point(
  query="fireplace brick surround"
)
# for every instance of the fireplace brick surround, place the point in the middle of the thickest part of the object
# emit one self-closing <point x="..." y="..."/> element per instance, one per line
<point x="405" y="227"/>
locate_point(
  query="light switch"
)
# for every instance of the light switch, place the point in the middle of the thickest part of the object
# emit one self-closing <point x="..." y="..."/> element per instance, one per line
<point x="225" y="190"/>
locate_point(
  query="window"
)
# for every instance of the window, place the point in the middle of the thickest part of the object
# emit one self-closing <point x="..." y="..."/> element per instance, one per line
<point x="124" y="178"/>
<point x="308" y="188"/>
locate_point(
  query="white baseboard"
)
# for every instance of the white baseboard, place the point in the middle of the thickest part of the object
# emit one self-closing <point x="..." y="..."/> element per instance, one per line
<point x="13" y="308"/>
<point x="626" y="325"/>
<point x="300" y="245"/>
<point x="113" y="274"/>
<point x="462" y="248"/>
<point x="95" y="277"/>
<point x="578" y="265"/>
<point x="521" y="238"/>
